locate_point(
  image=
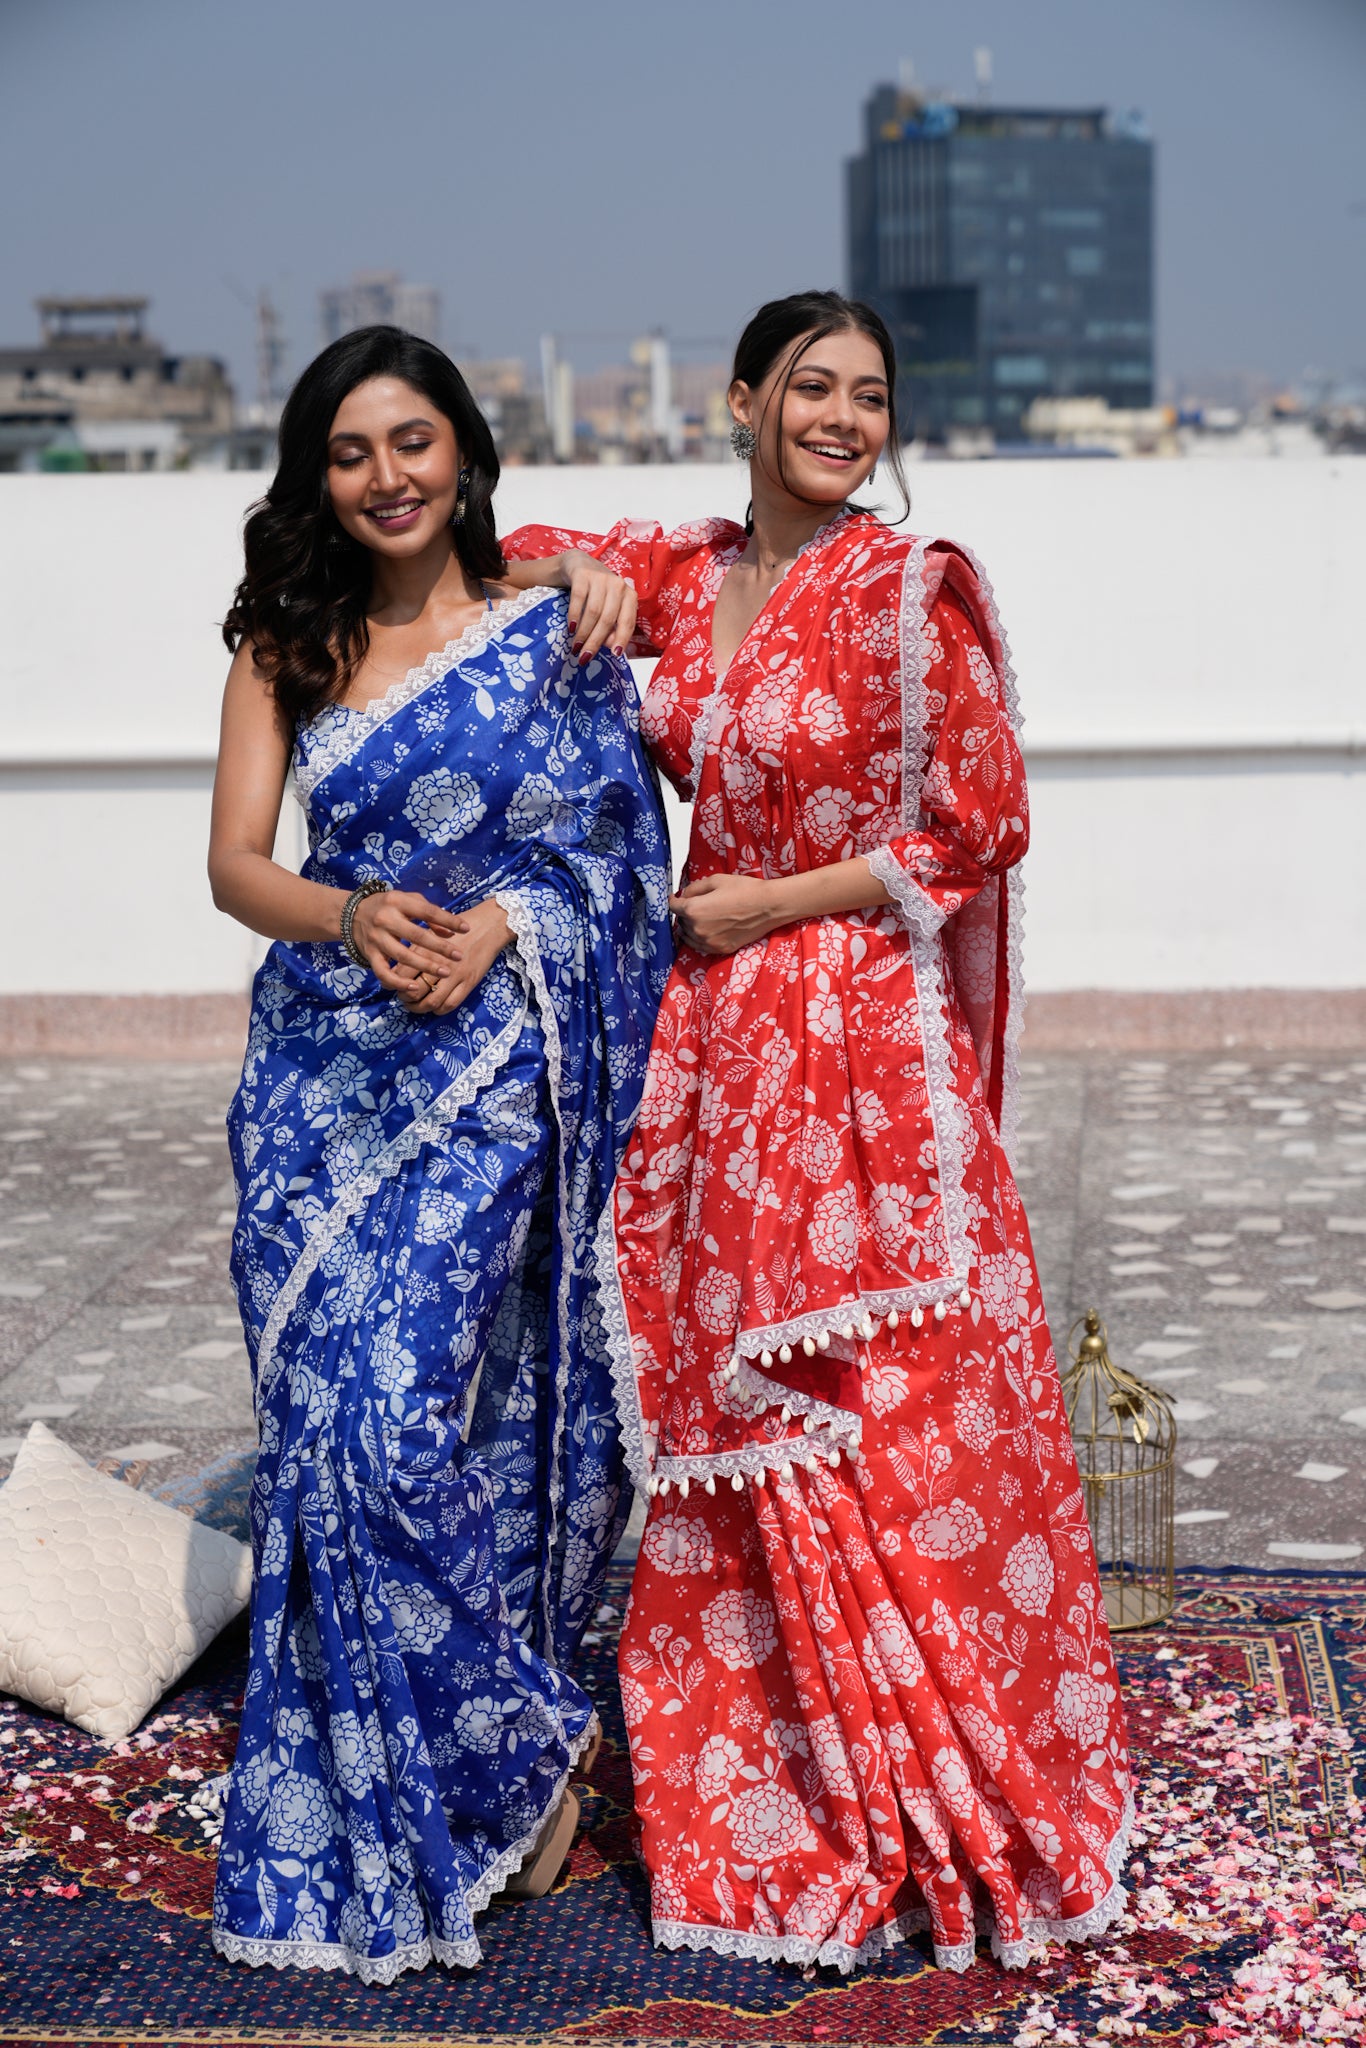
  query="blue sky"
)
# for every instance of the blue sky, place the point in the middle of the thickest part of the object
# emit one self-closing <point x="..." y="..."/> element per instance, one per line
<point x="606" y="167"/>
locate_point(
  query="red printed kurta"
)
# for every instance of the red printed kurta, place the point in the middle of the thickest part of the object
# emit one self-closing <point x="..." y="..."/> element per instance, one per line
<point x="866" y="1670"/>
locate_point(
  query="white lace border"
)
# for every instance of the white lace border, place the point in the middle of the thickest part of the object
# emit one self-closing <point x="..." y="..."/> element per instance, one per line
<point x="424" y="1129"/>
<point x="364" y="719"/>
<point x="839" y="1955"/>
<point x="413" y="1955"/>
<point x="520" y="917"/>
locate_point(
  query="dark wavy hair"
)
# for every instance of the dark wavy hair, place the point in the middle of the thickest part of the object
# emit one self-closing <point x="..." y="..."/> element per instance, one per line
<point x="794" y="325"/>
<point x="302" y="600"/>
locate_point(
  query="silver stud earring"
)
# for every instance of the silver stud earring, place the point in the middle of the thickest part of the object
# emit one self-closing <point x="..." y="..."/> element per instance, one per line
<point x="742" y="441"/>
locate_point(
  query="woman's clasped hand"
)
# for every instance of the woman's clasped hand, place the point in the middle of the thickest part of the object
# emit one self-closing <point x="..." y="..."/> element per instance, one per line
<point x="722" y="913"/>
<point x="431" y="958"/>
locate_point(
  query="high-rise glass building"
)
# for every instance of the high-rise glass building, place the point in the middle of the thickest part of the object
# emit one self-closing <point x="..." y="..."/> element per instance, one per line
<point x="1010" y="251"/>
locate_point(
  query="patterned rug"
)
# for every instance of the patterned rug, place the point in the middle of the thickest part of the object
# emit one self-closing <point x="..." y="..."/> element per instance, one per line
<point x="1248" y="1921"/>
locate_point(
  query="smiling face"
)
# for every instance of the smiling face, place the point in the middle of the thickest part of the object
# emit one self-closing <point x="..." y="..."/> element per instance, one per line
<point x="393" y="467"/>
<point x="821" y="438"/>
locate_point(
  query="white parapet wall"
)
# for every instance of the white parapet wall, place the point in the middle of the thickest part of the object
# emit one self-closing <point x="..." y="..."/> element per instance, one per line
<point x="1185" y="635"/>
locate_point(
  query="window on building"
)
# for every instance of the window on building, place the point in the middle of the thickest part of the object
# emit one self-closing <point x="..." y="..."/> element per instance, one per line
<point x="1085" y="262"/>
<point x="1020" y="370"/>
<point x="1118" y="330"/>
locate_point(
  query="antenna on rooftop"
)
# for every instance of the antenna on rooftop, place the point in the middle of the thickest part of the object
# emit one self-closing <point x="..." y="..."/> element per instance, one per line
<point x="270" y="353"/>
<point x="981" y="64"/>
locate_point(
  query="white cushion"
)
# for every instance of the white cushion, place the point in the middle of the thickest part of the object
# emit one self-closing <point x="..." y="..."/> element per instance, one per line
<point x="106" y="1595"/>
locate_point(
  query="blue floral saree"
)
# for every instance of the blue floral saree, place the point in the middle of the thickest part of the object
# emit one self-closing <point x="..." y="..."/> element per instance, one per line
<point x="439" y="1487"/>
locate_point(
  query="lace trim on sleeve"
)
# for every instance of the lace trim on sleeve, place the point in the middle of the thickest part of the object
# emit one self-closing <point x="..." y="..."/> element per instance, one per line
<point x="918" y="908"/>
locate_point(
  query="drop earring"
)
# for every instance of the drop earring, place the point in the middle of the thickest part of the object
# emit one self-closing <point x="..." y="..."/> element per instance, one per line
<point x="742" y="441"/>
<point x="461" y="493"/>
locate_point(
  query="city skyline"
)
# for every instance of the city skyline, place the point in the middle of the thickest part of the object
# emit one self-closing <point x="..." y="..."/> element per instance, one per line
<point x="601" y="213"/>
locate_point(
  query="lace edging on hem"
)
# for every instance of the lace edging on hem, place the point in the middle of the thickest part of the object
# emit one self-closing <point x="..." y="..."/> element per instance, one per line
<point x="333" y="1955"/>
<point x="788" y="1948"/>
<point x="414" y="1955"/>
<point x="1012" y="1955"/>
<point x="510" y="1862"/>
<point x="839" y="1430"/>
<point x="834" y="1320"/>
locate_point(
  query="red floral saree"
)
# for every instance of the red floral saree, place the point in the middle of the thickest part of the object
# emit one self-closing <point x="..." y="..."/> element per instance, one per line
<point x="866" y="1669"/>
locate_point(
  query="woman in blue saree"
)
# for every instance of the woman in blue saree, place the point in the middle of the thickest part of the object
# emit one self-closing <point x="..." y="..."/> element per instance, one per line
<point x="446" y="1050"/>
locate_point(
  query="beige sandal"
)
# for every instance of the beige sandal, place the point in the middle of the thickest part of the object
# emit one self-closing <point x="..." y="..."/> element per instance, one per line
<point x="547" y="1859"/>
<point x="585" y="1764"/>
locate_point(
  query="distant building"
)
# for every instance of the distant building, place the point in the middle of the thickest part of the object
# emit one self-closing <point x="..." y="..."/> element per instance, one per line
<point x="1010" y="250"/>
<point x="515" y="414"/>
<point x="1090" y="426"/>
<point x="97" y="392"/>
<point x="653" y="409"/>
<point x="377" y="298"/>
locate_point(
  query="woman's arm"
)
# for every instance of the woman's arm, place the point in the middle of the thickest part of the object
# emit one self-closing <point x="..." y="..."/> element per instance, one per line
<point x="253" y="762"/>
<point x="721" y="913"/>
<point x="602" y="606"/>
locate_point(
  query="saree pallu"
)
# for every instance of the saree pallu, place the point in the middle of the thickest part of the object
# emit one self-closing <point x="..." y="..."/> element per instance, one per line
<point x="439" y="1485"/>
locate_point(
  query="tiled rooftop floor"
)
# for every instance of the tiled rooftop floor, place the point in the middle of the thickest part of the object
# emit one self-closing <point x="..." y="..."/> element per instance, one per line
<point x="1213" y="1209"/>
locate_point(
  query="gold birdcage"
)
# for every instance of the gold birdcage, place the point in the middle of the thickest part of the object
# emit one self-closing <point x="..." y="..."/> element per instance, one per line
<point x="1124" y="1434"/>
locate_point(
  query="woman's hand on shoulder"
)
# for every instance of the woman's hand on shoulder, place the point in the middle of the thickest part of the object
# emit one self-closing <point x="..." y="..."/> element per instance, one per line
<point x="476" y="939"/>
<point x="602" y="605"/>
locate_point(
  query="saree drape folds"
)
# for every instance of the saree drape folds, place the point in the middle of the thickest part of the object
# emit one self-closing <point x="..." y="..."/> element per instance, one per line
<point x="439" y="1484"/>
<point x="866" y="1669"/>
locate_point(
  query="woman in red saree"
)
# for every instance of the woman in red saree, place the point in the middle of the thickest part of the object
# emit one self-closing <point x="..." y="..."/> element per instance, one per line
<point x="866" y="1671"/>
